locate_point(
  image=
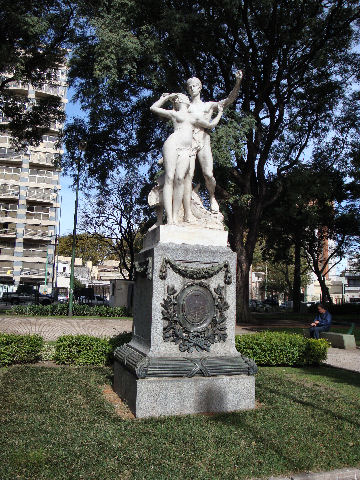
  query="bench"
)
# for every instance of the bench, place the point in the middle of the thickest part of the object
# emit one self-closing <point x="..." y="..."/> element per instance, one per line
<point x="351" y="326"/>
<point x="337" y="340"/>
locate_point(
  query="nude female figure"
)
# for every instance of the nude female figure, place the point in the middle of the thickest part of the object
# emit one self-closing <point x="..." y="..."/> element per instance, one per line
<point x="206" y="110"/>
<point x="178" y="150"/>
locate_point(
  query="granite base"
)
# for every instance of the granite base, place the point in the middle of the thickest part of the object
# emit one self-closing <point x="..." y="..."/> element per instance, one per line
<point x="155" y="397"/>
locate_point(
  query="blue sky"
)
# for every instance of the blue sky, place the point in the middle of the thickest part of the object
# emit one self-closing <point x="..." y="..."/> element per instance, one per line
<point x="67" y="194"/>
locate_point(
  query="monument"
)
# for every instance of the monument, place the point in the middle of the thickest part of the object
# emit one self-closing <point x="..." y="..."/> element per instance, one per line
<point x="182" y="357"/>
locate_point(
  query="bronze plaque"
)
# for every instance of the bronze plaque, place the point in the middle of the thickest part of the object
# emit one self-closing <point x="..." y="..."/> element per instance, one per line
<point x="196" y="307"/>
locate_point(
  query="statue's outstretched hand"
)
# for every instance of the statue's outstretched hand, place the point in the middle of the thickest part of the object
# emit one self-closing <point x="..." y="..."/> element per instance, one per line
<point x="239" y="74"/>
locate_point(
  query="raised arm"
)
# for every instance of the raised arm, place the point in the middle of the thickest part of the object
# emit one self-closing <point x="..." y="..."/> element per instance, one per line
<point x="234" y="92"/>
<point x="156" y="107"/>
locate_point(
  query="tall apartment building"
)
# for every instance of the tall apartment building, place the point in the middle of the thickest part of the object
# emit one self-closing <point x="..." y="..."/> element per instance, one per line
<point x="30" y="199"/>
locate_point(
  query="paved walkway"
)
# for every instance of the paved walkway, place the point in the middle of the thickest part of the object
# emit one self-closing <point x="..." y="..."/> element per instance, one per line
<point x="50" y="328"/>
<point x="347" y="359"/>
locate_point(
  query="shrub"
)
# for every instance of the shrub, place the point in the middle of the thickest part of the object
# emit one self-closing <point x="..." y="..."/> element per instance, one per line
<point x="20" y="348"/>
<point x="86" y="350"/>
<point x="82" y="350"/>
<point x="281" y="348"/>
<point x="48" y="351"/>
<point x="61" y="309"/>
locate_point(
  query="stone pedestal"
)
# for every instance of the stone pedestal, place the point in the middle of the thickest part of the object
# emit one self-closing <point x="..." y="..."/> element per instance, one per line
<point x="182" y="357"/>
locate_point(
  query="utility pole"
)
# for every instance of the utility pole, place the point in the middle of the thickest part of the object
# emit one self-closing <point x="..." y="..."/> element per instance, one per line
<point x="266" y="278"/>
<point x="82" y="148"/>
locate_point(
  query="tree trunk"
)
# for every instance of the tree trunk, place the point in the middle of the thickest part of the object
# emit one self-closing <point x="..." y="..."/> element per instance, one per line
<point x="244" y="253"/>
<point x="243" y="314"/>
<point x="325" y="294"/>
<point x="297" y="277"/>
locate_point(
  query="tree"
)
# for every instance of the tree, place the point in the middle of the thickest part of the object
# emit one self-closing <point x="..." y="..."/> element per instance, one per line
<point x="311" y="217"/>
<point x="33" y="40"/>
<point x="297" y="60"/>
<point x="115" y="216"/>
<point x="89" y="248"/>
<point x="280" y="267"/>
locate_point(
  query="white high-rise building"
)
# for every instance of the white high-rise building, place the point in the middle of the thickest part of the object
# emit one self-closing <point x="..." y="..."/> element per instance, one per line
<point x="30" y="199"/>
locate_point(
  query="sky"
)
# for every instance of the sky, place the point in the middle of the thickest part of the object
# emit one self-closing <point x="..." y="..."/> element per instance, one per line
<point x="67" y="194"/>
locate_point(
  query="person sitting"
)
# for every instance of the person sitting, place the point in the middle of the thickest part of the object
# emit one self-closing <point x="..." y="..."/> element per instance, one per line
<point x="321" y="323"/>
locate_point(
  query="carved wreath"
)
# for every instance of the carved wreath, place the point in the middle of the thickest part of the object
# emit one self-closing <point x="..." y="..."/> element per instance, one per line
<point x="195" y="273"/>
<point x="187" y="340"/>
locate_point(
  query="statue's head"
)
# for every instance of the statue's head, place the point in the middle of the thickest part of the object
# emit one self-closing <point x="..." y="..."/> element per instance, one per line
<point x="193" y="86"/>
<point x="180" y="99"/>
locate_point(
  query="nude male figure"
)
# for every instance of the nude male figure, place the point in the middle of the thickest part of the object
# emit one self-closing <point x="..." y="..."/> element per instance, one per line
<point x="202" y="136"/>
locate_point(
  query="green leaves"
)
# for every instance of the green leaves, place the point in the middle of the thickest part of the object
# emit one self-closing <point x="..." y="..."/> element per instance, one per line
<point x="87" y="350"/>
<point x="61" y="309"/>
<point x="20" y="348"/>
<point x="82" y="350"/>
<point x="280" y="348"/>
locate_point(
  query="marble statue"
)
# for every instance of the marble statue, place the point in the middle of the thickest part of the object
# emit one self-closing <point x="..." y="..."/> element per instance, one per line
<point x="179" y="152"/>
<point x="191" y="139"/>
<point x="205" y="110"/>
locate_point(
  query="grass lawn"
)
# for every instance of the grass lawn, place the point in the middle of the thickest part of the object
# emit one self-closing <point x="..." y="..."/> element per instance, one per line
<point x="56" y="424"/>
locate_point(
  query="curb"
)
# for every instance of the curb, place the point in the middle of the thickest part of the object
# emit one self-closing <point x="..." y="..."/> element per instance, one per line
<point x="341" y="474"/>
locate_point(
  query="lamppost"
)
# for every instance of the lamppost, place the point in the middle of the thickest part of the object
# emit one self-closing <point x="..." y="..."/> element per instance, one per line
<point x="82" y="148"/>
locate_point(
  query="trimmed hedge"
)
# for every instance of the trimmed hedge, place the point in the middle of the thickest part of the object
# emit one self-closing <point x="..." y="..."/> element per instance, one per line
<point x="61" y="309"/>
<point x="20" y="348"/>
<point x="281" y="348"/>
<point x="87" y="350"/>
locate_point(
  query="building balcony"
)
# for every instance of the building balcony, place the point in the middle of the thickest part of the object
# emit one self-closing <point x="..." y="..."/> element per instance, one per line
<point x="19" y="86"/>
<point x="6" y="251"/>
<point x="6" y="272"/>
<point x="10" y="176"/>
<point x="33" y="272"/>
<point x="7" y="215"/>
<point x="9" y="192"/>
<point x="37" y="216"/>
<point x="40" y="195"/>
<point x="54" y="90"/>
<point x="8" y="232"/>
<point x="352" y="288"/>
<point x="41" y="159"/>
<point x="36" y="233"/>
<point x="34" y="252"/>
<point x="10" y="157"/>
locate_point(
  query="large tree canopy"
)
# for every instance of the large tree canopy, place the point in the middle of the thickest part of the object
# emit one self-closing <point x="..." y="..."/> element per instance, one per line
<point x="34" y="37"/>
<point x="298" y="65"/>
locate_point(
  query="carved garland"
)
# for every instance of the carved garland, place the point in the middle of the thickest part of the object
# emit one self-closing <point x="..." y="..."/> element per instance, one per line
<point x="187" y="340"/>
<point x="195" y="273"/>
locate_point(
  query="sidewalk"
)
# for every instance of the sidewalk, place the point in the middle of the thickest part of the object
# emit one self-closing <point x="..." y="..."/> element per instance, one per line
<point x="50" y="328"/>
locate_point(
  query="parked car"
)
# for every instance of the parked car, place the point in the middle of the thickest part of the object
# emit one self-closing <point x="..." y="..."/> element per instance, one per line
<point x="258" y="306"/>
<point x="15" y="298"/>
<point x="97" y="300"/>
<point x="63" y="298"/>
<point x="271" y="301"/>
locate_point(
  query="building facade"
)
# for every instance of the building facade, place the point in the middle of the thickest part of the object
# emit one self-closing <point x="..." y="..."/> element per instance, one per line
<point x="30" y="199"/>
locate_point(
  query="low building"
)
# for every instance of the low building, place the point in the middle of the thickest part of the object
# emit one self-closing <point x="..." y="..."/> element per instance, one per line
<point x="121" y="293"/>
<point x="352" y="285"/>
<point x="97" y="277"/>
<point x="335" y="284"/>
